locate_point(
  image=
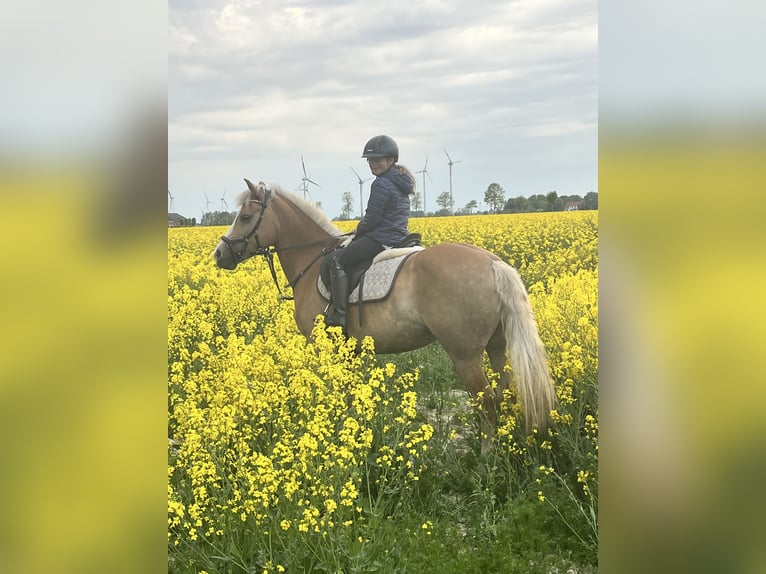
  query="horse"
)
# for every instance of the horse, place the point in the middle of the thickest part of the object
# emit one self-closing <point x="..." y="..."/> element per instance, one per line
<point x="465" y="297"/>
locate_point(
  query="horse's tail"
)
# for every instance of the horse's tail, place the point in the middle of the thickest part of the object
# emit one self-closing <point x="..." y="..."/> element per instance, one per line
<point x="524" y="349"/>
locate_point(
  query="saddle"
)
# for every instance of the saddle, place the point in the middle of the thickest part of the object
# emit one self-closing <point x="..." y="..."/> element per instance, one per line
<point x="374" y="280"/>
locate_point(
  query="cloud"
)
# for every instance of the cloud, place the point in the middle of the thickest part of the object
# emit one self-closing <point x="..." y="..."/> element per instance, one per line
<point x="272" y="81"/>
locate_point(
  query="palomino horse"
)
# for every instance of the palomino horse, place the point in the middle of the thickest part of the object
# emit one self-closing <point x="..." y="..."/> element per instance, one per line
<point x="464" y="297"/>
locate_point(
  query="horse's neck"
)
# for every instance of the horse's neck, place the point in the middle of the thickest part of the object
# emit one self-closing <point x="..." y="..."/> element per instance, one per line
<point x="297" y="230"/>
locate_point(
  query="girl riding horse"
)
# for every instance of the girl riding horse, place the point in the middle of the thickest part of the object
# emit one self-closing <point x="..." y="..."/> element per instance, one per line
<point x="383" y="226"/>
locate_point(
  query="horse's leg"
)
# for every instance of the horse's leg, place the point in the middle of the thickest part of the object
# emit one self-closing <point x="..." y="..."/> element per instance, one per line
<point x="470" y="369"/>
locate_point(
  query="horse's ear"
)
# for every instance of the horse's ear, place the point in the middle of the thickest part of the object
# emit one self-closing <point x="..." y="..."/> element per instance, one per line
<point x="257" y="192"/>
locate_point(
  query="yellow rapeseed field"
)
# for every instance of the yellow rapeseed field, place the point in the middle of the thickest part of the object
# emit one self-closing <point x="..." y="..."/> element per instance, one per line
<point x="285" y="451"/>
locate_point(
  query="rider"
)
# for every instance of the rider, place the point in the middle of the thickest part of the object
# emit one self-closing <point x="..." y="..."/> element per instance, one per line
<point x="384" y="224"/>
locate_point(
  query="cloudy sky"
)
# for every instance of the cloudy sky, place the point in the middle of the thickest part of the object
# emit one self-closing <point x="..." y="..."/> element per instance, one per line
<point x="509" y="88"/>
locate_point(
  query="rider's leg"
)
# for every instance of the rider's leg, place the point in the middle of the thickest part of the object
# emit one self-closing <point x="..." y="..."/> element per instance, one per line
<point x="355" y="255"/>
<point x="339" y="292"/>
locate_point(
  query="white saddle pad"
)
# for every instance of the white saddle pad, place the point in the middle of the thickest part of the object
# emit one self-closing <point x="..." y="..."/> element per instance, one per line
<point x="379" y="278"/>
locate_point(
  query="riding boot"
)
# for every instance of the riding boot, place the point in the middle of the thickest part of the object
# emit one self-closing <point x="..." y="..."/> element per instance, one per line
<point x="339" y="292"/>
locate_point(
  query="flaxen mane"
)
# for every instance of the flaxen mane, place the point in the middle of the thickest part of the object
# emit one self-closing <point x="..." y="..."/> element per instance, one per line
<point x="316" y="214"/>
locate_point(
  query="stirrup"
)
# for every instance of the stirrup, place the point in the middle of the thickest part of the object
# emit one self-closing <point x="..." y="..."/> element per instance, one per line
<point x="337" y="320"/>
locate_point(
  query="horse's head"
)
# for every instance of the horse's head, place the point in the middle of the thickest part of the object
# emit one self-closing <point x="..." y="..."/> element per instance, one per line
<point x="253" y="230"/>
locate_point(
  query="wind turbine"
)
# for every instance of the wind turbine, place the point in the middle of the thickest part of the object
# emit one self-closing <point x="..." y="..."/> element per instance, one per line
<point x="207" y="203"/>
<point x="361" y="183"/>
<point x="170" y="195"/>
<point x="305" y="181"/>
<point x="425" y="173"/>
<point x="223" y="202"/>
<point x="450" y="163"/>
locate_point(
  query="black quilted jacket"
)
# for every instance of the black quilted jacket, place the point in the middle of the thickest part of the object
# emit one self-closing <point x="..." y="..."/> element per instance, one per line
<point x="388" y="209"/>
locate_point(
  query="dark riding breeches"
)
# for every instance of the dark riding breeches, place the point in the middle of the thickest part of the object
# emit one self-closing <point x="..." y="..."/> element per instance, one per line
<point x="359" y="253"/>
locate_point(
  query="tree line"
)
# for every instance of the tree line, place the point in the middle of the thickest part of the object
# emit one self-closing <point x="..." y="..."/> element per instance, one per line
<point x="218" y="218"/>
<point x="182" y="222"/>
<point x="551" y="201"/>
<point x="494" y="198"/>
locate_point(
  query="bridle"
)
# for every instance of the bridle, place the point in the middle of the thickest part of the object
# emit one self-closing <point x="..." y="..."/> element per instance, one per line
<point x="239" y="254"/>
<point x="269" y="252"/>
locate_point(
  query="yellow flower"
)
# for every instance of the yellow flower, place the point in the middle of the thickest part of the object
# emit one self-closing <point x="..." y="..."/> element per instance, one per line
<point x="269" y="425"/>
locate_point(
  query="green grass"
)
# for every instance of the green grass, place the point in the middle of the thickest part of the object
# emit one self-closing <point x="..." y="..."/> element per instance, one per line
<point x="486" y="516"/>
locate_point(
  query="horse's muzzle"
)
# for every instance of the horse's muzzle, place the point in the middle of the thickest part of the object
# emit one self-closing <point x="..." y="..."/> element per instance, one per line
<point x="225" y="257"/>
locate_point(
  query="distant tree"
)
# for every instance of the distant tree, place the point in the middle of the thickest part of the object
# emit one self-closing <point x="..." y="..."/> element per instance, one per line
<point x="537" y="202"/>
<point x="416" y="201"/>
<point x="494" y="196"/>
<point x="218" y="218"/>
<point x="590" y="201"/>
<point x="470" y="206"/>
<point x="552" y="201"/>
<point x="348" y="205"/>
<point x="516" y="205"/>
<point x="445" y="202"/>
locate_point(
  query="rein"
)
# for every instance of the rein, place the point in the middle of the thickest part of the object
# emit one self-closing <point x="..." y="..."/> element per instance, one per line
<point x="268" y="252"/>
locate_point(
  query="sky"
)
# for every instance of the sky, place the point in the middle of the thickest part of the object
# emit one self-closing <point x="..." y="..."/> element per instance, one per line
<point x="507" y="88"/>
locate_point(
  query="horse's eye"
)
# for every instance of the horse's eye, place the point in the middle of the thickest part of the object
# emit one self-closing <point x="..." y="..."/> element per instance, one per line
<point x="245" y="218"/>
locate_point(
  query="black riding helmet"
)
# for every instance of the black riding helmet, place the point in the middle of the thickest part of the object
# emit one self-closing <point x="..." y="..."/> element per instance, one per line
<point x="381" y="146"/>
